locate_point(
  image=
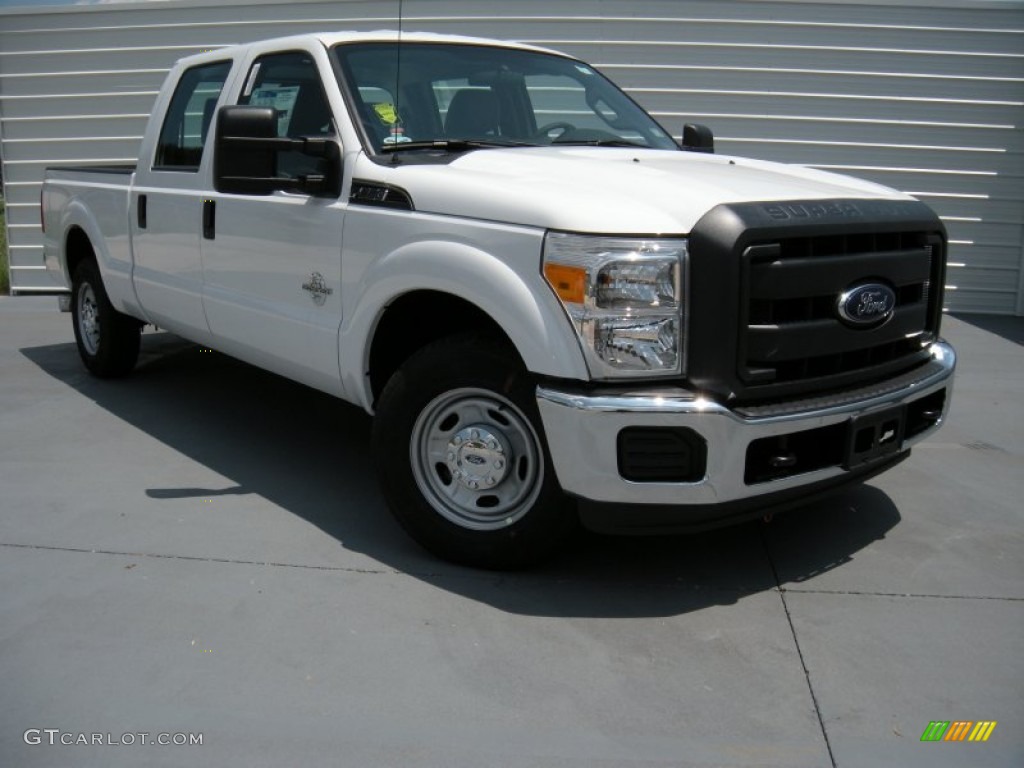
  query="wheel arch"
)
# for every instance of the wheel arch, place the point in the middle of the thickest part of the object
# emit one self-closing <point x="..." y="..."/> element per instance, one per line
<point x="428" y="290"/>
<point x="77" y="248"/>
<point x="401" y="330"/>
<point x="82" y="236"/>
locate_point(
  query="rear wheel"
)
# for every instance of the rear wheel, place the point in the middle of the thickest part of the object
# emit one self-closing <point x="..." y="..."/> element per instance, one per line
<point x="108" y="341"/>
<point x="460" y="452"/>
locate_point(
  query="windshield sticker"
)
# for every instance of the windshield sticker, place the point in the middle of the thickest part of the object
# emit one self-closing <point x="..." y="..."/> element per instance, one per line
<point x="584" y="70"/>
<point x="386" y="112"/>
<point x="397" y="136"/>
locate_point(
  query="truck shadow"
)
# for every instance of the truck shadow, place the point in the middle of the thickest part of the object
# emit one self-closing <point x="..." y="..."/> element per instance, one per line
<point x="307" y="452"/>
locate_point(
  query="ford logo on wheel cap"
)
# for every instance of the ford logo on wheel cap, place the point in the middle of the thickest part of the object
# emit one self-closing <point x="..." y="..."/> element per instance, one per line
<point x="870" y="304"/>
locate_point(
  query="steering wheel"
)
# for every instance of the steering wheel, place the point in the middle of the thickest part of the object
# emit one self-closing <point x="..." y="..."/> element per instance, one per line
<point x="565" y="127"/>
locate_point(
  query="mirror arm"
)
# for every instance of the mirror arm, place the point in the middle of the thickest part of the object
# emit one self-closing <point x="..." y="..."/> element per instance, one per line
<point x="315" y="146"/>
<point x="313" y="184"/>
<point x="247" y="142"/>
<point x="311" y="146"/>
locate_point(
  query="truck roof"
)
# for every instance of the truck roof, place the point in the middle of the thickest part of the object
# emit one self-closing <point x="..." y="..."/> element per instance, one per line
<point x="330" y="39"/>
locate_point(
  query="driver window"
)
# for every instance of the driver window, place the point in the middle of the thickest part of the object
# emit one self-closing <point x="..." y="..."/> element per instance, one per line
<point x="290" y="83"/>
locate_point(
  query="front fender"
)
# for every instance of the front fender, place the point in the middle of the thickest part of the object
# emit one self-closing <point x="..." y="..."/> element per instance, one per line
<point x="519" y="301"/>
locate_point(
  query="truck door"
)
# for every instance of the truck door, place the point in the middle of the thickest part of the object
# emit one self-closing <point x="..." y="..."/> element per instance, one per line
<point x="166" y="206"/>
<point x="272" y="263"/>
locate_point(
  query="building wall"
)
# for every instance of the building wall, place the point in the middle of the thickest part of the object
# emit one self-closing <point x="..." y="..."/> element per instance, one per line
<point x="927" y="97"/>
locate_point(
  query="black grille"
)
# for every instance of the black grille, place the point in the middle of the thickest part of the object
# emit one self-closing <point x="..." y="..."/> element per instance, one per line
<point x="793" y="331"/>
<point x="765" y="286"/>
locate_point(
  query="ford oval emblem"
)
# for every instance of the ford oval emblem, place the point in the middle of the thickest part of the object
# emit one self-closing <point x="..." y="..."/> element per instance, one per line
<point x="867" y="305"/>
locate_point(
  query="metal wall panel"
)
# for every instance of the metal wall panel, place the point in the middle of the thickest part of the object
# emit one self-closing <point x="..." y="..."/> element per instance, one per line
<point x="927" y="97"/>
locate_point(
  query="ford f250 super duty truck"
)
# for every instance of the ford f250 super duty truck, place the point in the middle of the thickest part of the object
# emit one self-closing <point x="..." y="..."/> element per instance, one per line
<point x="540" y="296"/>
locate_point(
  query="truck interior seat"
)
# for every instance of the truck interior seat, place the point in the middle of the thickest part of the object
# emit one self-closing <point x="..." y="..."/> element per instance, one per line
<point x="473" y="114"/>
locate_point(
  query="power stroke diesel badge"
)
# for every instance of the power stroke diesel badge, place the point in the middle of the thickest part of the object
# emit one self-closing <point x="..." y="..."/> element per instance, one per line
<point x="867" y="305"/>
<point x="317" y="288"/>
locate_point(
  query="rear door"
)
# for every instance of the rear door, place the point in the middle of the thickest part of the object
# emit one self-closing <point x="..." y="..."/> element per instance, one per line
<point x="166" y="204"/>
<point x="272" y="263"/>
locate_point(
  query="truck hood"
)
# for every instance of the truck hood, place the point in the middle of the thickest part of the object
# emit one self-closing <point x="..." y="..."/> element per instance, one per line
<point x="605" y="190"/>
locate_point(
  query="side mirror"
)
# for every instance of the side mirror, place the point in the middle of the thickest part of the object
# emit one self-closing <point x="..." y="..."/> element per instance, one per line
<point x="247" y="150"/>
<point x="698" y="138"/>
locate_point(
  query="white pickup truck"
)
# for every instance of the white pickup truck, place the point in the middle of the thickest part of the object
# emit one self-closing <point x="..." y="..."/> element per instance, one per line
<point x="543" y="299"/>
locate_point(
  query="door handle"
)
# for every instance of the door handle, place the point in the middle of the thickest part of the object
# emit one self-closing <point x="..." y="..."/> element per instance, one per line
<point x="142" y="211"/>
<point x="209" y="219"/>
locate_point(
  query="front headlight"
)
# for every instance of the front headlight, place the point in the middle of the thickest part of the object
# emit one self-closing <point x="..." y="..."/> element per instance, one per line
<point x="625" y="297"/>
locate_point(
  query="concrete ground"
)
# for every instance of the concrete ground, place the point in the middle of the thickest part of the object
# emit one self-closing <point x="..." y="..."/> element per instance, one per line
<point x="202" y="549"/>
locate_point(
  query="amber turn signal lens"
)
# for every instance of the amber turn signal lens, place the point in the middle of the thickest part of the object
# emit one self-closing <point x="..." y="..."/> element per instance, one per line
<point x="569" y="282"/>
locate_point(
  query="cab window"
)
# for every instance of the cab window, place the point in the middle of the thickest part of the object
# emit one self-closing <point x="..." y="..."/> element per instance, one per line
<point x="189" y="115"/>
<point x="290" y="84"/>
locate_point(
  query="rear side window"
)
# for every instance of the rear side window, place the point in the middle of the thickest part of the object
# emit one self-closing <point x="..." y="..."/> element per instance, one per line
<point x="189" y="117"/>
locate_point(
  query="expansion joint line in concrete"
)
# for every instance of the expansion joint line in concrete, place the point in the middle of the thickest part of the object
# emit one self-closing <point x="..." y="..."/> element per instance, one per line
<point x="799" y="651"/>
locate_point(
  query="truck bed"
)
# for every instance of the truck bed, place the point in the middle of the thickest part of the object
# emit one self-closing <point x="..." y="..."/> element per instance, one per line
<point x="104" y="192"/>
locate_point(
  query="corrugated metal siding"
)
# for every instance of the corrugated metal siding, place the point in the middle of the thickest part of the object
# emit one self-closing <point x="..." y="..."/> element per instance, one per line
<point x="927" y="97"/>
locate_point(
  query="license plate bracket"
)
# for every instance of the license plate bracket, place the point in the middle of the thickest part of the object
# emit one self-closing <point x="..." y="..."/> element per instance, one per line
<point x="874" y="436"/>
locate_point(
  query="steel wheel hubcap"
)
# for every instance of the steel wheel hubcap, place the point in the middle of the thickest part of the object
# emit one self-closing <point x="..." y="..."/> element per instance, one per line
<point x="476" y="459"/>
<point x="88" y="319"/>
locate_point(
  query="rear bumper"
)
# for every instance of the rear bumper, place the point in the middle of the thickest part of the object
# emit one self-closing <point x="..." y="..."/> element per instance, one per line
<point x="583" y="431"/>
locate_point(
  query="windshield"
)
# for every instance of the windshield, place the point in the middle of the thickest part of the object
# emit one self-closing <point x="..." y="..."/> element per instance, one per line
<point x="457" y="97"/>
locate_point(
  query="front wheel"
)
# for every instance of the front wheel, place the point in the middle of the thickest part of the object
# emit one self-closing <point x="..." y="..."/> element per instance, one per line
<point x="108" y="341"/>
<point x="459" y="449"/>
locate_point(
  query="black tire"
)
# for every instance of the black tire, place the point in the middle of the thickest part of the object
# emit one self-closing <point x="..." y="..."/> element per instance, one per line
<point x="460" y="452"/>
<point x="108" y="341"/>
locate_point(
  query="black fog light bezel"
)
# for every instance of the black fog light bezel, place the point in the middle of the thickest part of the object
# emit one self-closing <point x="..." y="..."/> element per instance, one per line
<point x="662" y="455"/>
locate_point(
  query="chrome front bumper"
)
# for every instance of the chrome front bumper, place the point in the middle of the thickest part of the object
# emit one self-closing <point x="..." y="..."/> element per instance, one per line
<point x="582" y="433"/>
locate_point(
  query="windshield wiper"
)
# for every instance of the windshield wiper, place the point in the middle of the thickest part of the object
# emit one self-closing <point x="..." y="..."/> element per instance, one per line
<point x="453" y="145"/>
<point x="598" y="143"/>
